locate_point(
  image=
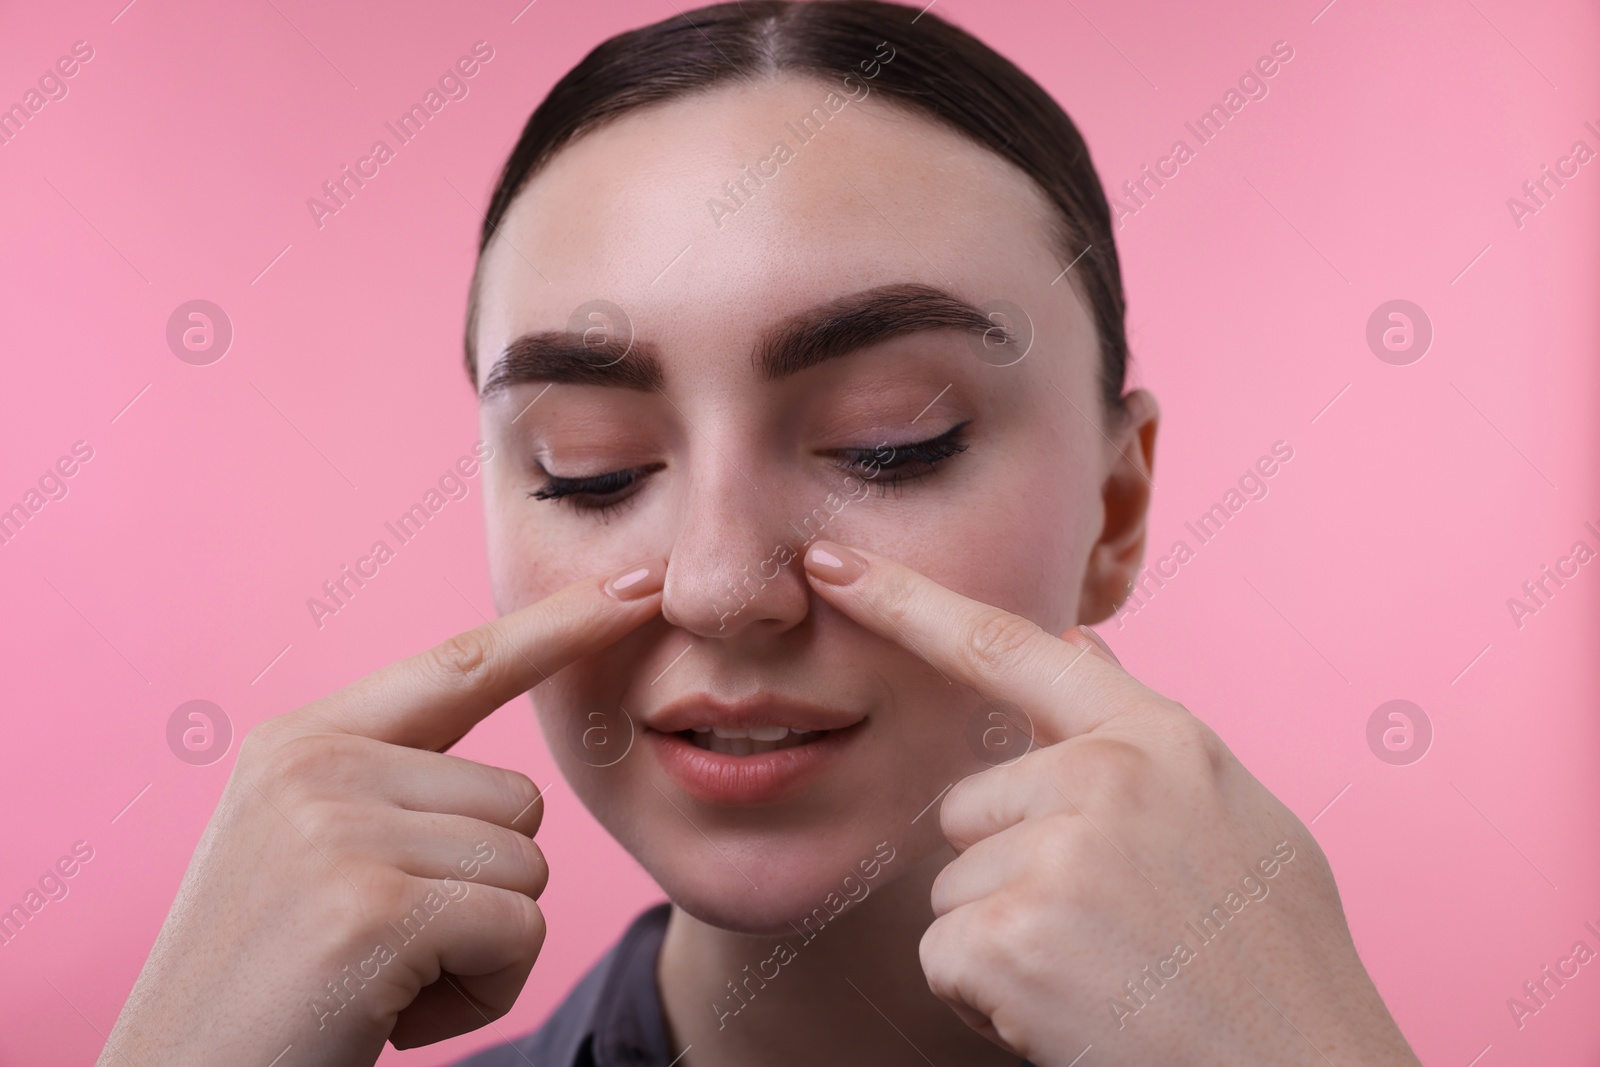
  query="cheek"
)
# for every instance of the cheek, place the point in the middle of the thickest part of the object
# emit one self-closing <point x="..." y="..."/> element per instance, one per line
<point x="512" y="546"/>
<point x="536" y="547"/>
<point x="1023" y="557"/>
<point x="1020" y="543"/>
<point x="594" y="742"/>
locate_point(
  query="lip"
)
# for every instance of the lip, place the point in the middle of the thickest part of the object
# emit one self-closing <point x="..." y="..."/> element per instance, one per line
<point x="722" y="778"/>
<point x="764" y="778"/>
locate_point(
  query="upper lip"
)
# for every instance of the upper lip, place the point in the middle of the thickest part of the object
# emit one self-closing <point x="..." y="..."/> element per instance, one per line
<point x="702" y="710"/>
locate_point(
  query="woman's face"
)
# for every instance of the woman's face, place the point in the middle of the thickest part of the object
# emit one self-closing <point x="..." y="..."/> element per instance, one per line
<point x="741" y="424"/>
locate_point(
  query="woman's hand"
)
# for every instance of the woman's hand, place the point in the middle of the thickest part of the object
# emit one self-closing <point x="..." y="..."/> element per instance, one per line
<point x="1127" y="885"/>
<point x="356" y="884"/>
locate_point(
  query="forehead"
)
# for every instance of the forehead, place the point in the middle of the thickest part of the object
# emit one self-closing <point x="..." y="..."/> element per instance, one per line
<point x="718" y="213"/>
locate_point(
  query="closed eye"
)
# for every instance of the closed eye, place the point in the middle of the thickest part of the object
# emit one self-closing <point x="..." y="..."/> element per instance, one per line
<point x="600" y="494"/>
<point x="907" y="462"/>
<point x="603" y="494"/>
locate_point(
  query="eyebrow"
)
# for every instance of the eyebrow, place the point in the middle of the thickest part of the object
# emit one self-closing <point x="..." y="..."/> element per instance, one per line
<point x="839" y="327"/>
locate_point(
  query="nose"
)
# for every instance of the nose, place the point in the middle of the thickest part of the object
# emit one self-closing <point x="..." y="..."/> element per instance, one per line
<point x="734" y="568"/>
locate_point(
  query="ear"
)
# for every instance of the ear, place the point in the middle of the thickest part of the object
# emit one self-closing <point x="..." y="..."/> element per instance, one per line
<point x="1125" y="497"/>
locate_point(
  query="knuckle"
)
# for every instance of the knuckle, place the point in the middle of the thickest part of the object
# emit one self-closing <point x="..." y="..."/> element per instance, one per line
<point x="1210" y="747"/>
<point x="465" y="660"/>
<point x="956" y="814"/>
<point x="294" y="763"/>
<point x="328" y="827"/>
<point x="314" y="821"/>
<point x="312" y="764"/>
<point x="1200" y="745"/>
<point x="1109" y="767"/>
<point x="385" y="892"/>
<point x="997" y="639"/>
<point x="1057" y="853"/>
<point x="539" y="869"/>
<point x="1216" y="753"/>
<point x="1002" y="928"/>
<point x="352" y="906"/>
<point x="531" y="873"/>
<point x="897" y="601"/>
<point x="257" y="747"/>
<point x="939" y="952"/>
<point x="528" y="921"/>
<point x="524" y="803"/>
<point x="939" y="894"/>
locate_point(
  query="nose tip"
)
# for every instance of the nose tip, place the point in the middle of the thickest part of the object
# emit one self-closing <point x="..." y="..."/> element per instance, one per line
<point x="716" y="588"/>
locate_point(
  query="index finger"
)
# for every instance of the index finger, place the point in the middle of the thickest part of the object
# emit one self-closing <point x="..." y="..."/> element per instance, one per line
<point x="1066" y="686"/>
<point x="429" y="700"/>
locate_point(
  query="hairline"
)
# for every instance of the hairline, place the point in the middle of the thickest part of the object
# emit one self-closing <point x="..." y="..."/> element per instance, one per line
<point x="1060" y="226"/>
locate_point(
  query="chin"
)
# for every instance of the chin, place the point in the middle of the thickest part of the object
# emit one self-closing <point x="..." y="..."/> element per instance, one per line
<point x="753" y="835"/>
<point x="788" y="880"/>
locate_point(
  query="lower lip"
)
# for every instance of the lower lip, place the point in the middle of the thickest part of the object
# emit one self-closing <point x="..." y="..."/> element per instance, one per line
<point x="720" y="778"/>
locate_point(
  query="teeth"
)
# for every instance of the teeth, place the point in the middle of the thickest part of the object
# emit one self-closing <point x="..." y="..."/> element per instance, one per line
<point x="755" y="733"/>
<point x="754" y="740"/>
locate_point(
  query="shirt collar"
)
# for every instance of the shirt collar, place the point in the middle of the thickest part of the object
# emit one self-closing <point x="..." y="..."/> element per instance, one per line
<point x="627" y="1027"/>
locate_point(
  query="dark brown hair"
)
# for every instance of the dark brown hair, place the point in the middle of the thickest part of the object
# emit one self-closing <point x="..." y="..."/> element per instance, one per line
<point x="938" y="71"/>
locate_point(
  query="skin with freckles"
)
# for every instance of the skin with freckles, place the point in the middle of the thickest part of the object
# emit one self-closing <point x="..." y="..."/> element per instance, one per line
<point x="879" y="198"/>
<point x="1043" y="513"/>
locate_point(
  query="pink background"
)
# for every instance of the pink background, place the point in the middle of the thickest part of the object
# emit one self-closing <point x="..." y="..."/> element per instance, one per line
<point x="1378" y="567"/>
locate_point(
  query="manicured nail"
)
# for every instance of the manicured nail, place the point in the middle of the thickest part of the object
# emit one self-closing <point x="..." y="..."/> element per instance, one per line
<point x="1101" y="642"/>
<point x="834" y="563"/>
<point x="639" y="580"/>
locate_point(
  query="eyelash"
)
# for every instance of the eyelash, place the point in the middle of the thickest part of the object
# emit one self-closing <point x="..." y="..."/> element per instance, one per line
<point x="579" y="493"/>
<point x="928" y="454"/>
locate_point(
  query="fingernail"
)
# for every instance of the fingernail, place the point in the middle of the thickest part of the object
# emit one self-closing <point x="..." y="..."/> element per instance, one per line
<point x="834" y="563"/>
<point x="639" y="580"/>
<point x="1101" y="642"/>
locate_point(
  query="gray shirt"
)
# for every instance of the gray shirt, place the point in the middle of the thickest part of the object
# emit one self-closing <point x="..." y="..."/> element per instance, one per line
<point x="612" y="1018"/>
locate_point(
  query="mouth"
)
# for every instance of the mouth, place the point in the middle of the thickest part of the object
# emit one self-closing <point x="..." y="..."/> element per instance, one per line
<point x="748" y="741"/>
<point x="752" y="753"/>
<point x="766" y="719"/>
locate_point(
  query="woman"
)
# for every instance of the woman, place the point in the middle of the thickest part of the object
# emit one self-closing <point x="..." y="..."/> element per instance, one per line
<point x="798" y="333"/>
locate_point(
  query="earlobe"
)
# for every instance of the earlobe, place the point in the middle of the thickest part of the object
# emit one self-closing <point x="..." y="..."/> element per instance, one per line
<point x="1125" y="502"/>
